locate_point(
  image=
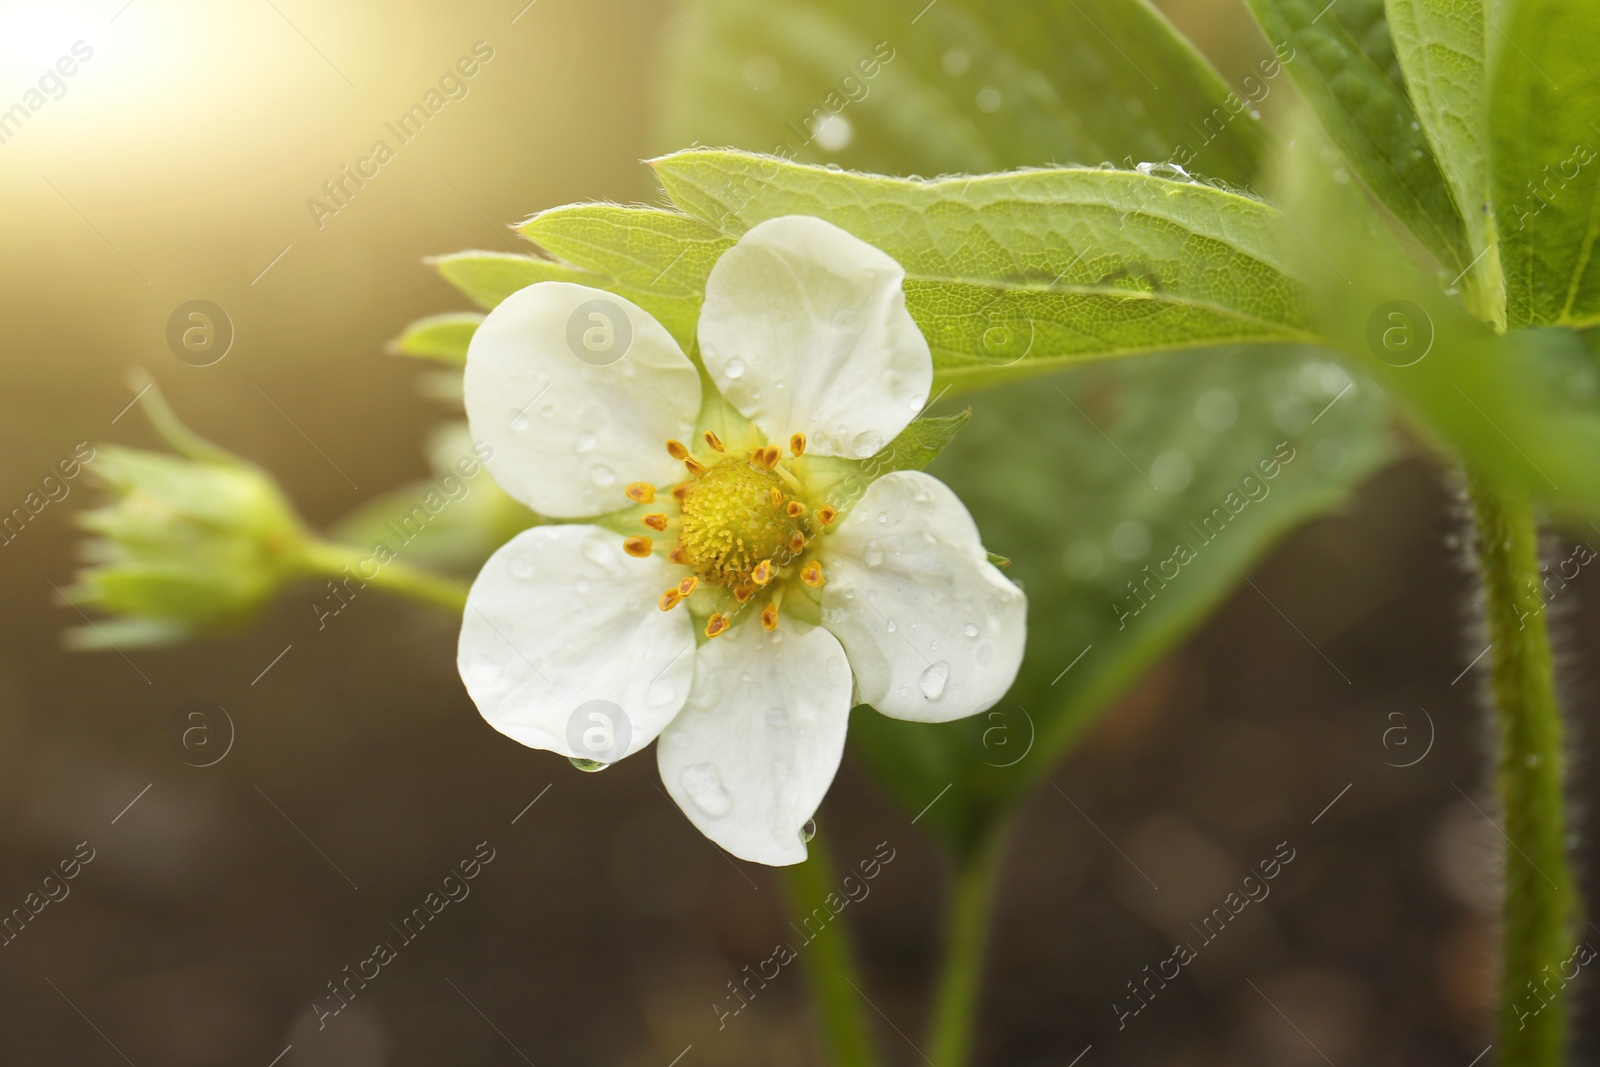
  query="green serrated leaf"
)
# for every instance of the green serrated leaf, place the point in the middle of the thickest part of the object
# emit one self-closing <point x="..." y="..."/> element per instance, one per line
<point x="1544" y="131"/>
<point x="489" y="277"/>
<point x="1345" y="66"/>
<point x="965" y="82"/>
<point x="1017" y="274"/>
<point x="443" y="337"/>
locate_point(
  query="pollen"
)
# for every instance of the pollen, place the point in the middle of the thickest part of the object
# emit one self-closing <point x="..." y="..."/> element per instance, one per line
<point x="677" y="450"/>
<point x="797" y="543"/>
<point x="642" y="493"/>
<point x="777" y="497"/>
<point x="728" y="524"/>
<point x="763" y="572"/>
<point x="670" y="599"/>
<point x="638" y="546"/>
<point x="696" y="468"/>
<point x="656" y="521"/>
<point x="797" y="444"/>
<point x="744" y="593"/>
<point x="796" y="509"/>
<point x="714" y="441"/>
<point x="826" y="514"/>
<point x="769" y="617"/>
<point x="811" y="574"/>
<point x="716" y="625"/>
<point x="686" y="586"/>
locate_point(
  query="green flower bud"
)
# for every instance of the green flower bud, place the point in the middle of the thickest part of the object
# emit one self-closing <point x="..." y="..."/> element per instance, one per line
<point x="189" y="544"/>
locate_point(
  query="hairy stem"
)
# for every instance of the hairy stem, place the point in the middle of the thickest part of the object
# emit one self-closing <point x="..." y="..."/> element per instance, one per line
<point x="966" y="933"/>
<point x="1539" y="893"/>
<point x="340" y="562"/>
<point x="830" y="965"/>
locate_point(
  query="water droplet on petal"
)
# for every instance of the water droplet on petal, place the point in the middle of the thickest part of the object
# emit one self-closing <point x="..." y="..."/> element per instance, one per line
<point x="867" y="442"/>
<point x="586" y="442"/>
<point x="883" y="516"/>
<point x="872" y="554"/>
<point x="933" y="680"/>
<point x="809" y="830"/>
<point x="522" y="565"/>
<point x="704" y="785"/>
<point x="588" y="766"/>
<point x="603" y="475"/>
<point x="734" y="369"/>
<point x="970" y="630"/>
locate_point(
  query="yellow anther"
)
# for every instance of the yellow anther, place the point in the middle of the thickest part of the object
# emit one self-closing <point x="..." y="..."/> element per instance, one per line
<point x="716" y="625"/>
<point x="811" y="573"/>
<point x="777" y="497"/>
<point x="669" y="600"/>
<point x="696" y="468"/>
<point x="677" y="450"/>
<point x="638" y="546"/>
<point x="769" y="617"/>
<point x="763" y="572"/>
<point x="656" y="521"/>
<point x="796" y="509"/>
<point x="678" y="555"/>
<point x="714" y="441"/>
<point x="744" y="592"/>
<point x="641" y="493"/>
<point x="765" y="458"/>
<point x="826" y="514"/>
<point x="797" y="444"/>
<point x="679" y="492"/>
<point x="686" y="586"/>
<point x="797" y="541"/>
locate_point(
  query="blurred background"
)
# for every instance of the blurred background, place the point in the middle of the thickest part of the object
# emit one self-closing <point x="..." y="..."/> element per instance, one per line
<point x="176" y="164"/>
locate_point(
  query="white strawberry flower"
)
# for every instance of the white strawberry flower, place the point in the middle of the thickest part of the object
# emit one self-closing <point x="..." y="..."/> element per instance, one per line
<point x="729" y="592"/>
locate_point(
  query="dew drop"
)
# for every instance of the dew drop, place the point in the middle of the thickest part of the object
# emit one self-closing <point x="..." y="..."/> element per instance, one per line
<point x="734" y="369"/>
<point x="586" y="442"/>
<point x="970" y="630"/>
<point x="522" y="565"/>
<point x="883" y="516"/>
<point x="809" y="830"/>
<point x="581" y="585"/>
<point x="588" y="766"/>
<point x="603" y="475"/>
<point x="867" y="442"/>
<point x="933" y="680"/>
<point x="660" y="694"/>
<point x="704" y="785"/>
<point x="872" y="554"/>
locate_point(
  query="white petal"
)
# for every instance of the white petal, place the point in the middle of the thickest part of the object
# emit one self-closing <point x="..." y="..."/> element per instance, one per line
<point x="561" y="617"/>
<point x="805" y="329"/>
<point x="933" y="629"/>
<point x="756" y="747"/>
<point x="577" y="390"/>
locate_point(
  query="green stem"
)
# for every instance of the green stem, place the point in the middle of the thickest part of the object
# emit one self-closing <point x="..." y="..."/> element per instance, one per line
<point x="830" y="964"/>
<point x="966" y="935"/>
<point x="337" y="561"/>
<point x="1539" y="894"/>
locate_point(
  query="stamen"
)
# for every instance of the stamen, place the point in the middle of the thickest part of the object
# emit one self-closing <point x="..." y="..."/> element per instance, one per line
<point x="797" y="444"/>
<point x="796" y="509"/>
<point x="764" y="458"/>
<point x="744" y="593"/>
<point x="714" y="441"/>
<point x="716" y="625"/>
<point x="777" y="497"/>
<point x="686" y="586"/>
<point x="770" y="456"/>
<point x="656" y="521"/>
<point x="677" y="555"/>
<point x="811" y="574"/>
<point x="797" y="541"/>
<point x="641" y="493"/>
<point x="696" y="468"/>
<point x="679" y="492"/>
<point x="769" y="617"/>
<point x="826" y="514"/>
<point x="763" y="572"/>
<point x="638" y="546"/>
<point x="677" y="450"/>
<point x="669" y="600"/>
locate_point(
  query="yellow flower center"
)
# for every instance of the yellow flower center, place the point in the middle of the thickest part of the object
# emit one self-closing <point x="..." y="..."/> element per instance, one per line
<point x="733" y="521"/>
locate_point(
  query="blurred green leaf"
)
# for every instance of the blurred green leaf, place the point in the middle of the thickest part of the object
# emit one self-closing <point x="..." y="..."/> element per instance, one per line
<point x="489" y="277"/>
<point x="1545" y="167"/>
<point x="1524" y="408"/>
<point x="1017" y="274"/>
<point x="963" y="80"/>
<point x="1345" y="66"/>
<point x="443" y="337"/>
